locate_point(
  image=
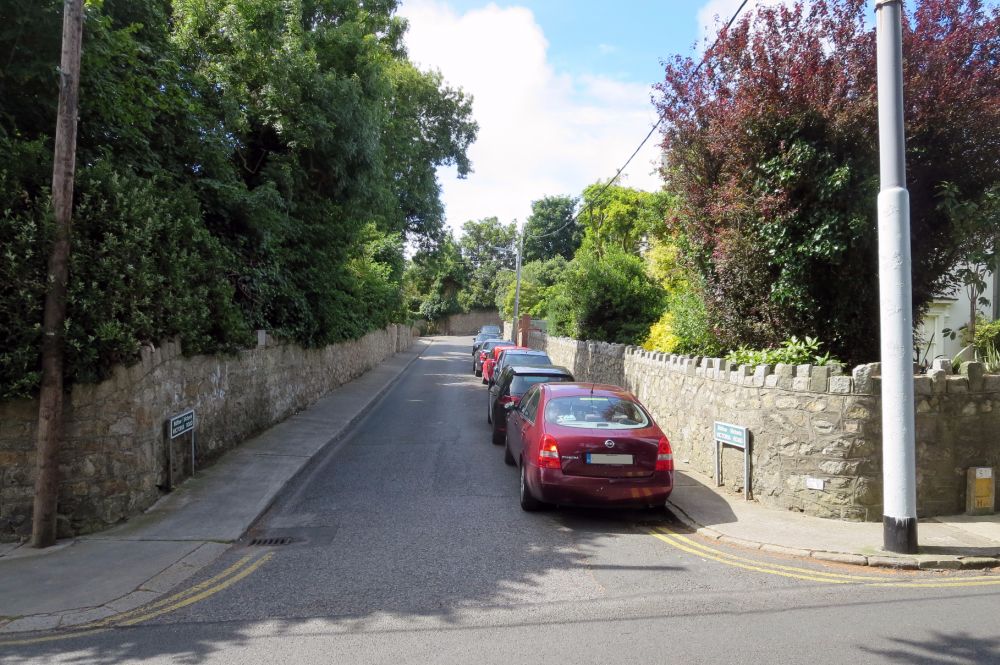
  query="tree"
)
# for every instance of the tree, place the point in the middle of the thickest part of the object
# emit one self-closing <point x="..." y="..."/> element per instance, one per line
<point x="621" y="216"/>
<point x="434" y="278"/>
<point x="487" y="248"/>
<point x="770" y="152"/>
<point x="538" y="281"/>
<point x="242" y="164"/>
<point x="551" y="230"/>
<point x="607" y="297"/>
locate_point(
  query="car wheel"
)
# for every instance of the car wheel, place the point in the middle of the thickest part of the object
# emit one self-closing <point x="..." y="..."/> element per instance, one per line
<point x="528" y="502"/>
<point x="489" y="411"/>
<point x="508" y="459"/>
<point x="479" y="372"/>
<point x="498" y="437"/>
<point x="485" y="382"/>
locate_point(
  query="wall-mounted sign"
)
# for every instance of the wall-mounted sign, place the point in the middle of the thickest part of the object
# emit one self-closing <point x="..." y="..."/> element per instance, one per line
<point x="181" y="424"/>
<point x="733" y="436"/>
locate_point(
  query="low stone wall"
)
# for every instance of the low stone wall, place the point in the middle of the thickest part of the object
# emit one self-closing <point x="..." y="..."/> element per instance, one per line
<point x="470" y="322"/>
<point x="806" y="422"/>
<point x="113" y="463"/>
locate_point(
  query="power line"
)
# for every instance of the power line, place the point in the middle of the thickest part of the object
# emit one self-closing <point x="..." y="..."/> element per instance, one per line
<point x="643" y="142"/>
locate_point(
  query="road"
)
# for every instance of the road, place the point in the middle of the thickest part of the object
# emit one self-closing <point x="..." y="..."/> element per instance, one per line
<point x="408" y="546"/>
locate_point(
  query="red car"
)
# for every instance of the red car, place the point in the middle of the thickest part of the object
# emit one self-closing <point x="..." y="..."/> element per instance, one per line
<point x="490" y="363"/>
<point x="587" y="444"/>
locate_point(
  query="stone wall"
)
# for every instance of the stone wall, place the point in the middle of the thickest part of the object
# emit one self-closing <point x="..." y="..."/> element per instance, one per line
<point x="114" y="461"/>
<point x="469" y="323"/>
<point x="806" y="422"/>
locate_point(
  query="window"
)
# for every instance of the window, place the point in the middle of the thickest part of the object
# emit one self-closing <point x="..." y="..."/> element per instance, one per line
<point x="529" y="406"/>
<point x="522" y="382"/>
<point x="596" y="412"/>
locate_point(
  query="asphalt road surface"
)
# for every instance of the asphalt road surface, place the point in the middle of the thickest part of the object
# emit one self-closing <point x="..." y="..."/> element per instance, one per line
<point x="408" y="546"/>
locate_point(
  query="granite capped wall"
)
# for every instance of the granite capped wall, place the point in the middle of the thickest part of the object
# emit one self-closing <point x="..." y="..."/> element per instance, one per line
<point x="820" y="424"/>
<point x="114" y="463"/>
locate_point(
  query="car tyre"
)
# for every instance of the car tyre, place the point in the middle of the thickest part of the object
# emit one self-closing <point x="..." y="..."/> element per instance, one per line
<point x="499" y="439"/>
<point x="489" y="412"/>
<point x="479" y="372"/>
<point x="508" y="459"/>
<point x="528" y="503"/>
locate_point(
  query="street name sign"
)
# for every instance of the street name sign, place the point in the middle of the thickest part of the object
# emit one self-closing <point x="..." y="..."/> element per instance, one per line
<point x="734" y="436"/>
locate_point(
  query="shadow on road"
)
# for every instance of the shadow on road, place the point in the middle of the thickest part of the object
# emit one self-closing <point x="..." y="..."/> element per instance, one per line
<point x="942" y="649"/>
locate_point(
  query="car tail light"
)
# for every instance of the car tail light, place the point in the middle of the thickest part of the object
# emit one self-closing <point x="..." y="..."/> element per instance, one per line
<point x="548" y="453"/>
<point x="508" y="399"/>
<point x="664" y="456"/>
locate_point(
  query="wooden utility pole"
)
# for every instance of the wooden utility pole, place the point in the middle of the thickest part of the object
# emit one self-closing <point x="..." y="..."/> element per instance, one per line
<point x="50" y="400"/>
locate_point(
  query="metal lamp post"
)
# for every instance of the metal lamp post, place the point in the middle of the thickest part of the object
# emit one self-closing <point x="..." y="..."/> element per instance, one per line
<point x="899" y="513"/>
<point x="517" y="285"/>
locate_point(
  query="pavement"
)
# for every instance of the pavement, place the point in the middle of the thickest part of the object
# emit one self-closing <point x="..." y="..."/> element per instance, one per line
<point x="98" y="576"/>
<point x="89" y="578"/>
<point x="946" y="543"/>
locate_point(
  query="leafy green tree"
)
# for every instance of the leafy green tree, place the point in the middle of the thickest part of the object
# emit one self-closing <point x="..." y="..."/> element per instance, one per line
<point x="621" y="216"/>
<point x="263" y="160"/>
<point x="607" y="297"/>
<point x="487" y="248"/>
<point x="433" y="280"/>
<point x="538" y="281"/>
<point x="551" y="229"/>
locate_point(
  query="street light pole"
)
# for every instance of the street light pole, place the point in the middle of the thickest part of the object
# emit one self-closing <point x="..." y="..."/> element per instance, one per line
<point x="899" y="513"/>
<point x="517" y="285"/>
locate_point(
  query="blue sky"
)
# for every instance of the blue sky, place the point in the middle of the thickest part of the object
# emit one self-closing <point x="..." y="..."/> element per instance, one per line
<point x="623" y="40"/>
<point x="561" y="89"/>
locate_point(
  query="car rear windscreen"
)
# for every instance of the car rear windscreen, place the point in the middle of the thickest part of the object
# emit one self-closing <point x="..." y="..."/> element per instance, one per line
<point x="595" y="411"/>
<point x="521" y="382"/>
<point x="531" y="360"/>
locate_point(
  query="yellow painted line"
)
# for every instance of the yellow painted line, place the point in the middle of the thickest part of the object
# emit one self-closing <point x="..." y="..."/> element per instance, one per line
<point x="706" y="548"/>
<point x="52" y="638"/>
<point x="755" y="568"/>
<point x="201" y="591"/>
<point x="177" y="596"/>
<point x="688" y="545"/>
<point x="201" y="596"/>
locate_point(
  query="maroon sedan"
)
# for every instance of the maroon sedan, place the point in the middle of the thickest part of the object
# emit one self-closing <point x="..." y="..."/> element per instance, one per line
<point x="586" y="444"/>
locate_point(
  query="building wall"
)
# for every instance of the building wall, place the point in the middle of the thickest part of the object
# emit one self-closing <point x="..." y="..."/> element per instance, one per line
<point x="806" y="422"/>
<point x="470" y="322"/>
<point x="952" y="312"/>
<point x="113" y="463"/>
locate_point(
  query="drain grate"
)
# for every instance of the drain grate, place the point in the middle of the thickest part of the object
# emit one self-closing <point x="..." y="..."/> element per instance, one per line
<point x="270" y="542"/>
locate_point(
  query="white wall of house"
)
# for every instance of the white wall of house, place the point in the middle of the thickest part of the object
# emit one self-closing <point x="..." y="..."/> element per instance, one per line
<point x="952" y="312"/>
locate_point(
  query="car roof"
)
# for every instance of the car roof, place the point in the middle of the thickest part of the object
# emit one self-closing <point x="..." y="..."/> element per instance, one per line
<point x="539" y="370"/>
<point x="523" y="350"/>
<point x="574" y="388"/>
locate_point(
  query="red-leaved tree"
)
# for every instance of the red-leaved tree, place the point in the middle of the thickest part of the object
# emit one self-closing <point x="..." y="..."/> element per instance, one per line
<point x="772" y="149"/>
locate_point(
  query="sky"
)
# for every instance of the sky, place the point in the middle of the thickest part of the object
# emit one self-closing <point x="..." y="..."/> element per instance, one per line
<point x="562" y="90"/>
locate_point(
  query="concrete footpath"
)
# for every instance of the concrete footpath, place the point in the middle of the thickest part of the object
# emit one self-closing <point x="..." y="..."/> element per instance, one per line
<point x="946" y="543"/>
<point x="92" y="577"/>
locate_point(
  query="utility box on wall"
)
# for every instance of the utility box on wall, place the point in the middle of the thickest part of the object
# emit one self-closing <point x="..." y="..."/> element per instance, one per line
<point x="980" y="491"/>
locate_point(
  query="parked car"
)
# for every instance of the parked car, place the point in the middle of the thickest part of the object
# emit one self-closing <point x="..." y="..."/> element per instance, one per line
<point x="490" y="362"/>
<point x="520" y="355"/>
<point x="490" y="329"/>
<point x="586" y="444"/>
<point x="478" y="340"/>
<point x="485" y="352"/>
<point x="513" y="382"/>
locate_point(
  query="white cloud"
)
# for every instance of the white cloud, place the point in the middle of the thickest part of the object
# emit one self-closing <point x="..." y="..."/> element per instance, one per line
<point x="606" y="49"/>
<point x="716" y="13"/>
<point x="541" y="132"/>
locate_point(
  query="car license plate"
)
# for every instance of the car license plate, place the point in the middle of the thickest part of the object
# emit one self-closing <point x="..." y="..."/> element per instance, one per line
<point x="598" y="458"/>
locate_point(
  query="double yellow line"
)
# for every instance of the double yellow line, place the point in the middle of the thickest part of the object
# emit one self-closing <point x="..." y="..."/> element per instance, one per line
<point x="228" y="577"/>
<point x="703" y="551"/>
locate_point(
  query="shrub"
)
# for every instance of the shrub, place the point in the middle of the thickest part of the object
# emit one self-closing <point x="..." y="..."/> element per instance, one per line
<point x="988" y="336"/>
<point x="793" y="351"/>
<point x="608" y="298"/>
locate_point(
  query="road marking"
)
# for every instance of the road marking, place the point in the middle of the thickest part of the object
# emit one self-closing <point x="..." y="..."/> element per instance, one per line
<point x="231" y="575"/>
<point x="690" y="546"/>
